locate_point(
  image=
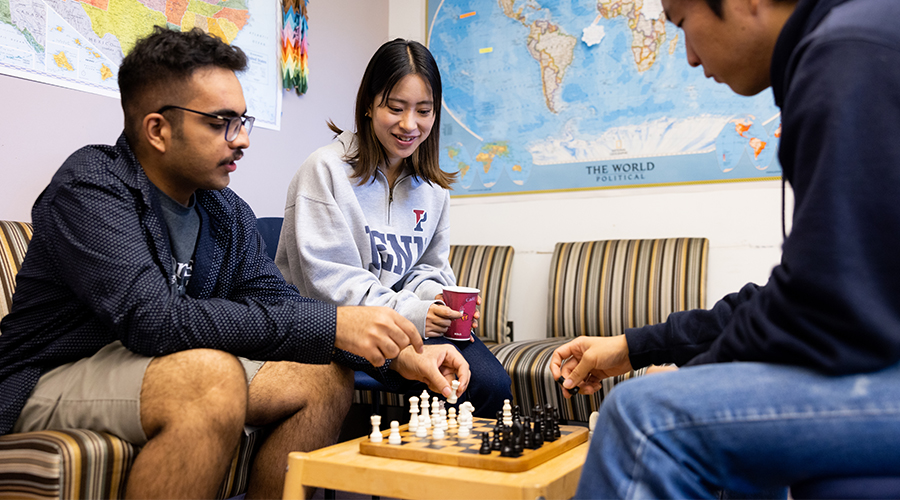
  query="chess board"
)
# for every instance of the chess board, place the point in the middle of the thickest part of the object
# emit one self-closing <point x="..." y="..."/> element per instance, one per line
<point x="463" y="452"/>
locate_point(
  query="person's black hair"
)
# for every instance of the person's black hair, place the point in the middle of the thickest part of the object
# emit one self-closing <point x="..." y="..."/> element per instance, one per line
<point x="164" y="61"/>
<point x="716" y="5"/>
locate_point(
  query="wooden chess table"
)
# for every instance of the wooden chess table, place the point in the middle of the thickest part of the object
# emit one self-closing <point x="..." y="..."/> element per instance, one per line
<point x="420" y="468"/>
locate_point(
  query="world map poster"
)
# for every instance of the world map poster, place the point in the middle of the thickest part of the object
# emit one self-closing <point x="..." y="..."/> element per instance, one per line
<point x="80" y="44"/>
<point x="586" y="94"/>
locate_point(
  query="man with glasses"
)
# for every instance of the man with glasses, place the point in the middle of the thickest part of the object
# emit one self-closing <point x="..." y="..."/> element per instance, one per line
<point x="146" y="295"/>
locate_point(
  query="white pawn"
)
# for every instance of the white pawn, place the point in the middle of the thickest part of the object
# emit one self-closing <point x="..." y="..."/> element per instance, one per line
<point x="451" y="419"/>
<point x="375" y="436"/>
<point x="437" y="432"/>
<point x="454" y="386"/>
<point x="442" y="421"/>
<point x="413" y="414"/>
<point x="592" y="422"/>
<point x="463" y="431"/>
<point x="422" y="430"/>
<point x="394" y="437"/>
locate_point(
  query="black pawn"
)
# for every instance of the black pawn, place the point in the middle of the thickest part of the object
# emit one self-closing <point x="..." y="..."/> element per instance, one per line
<point x="495" y="443"/>
<point x="485" y="444"/>
<point x="537" y="437"/>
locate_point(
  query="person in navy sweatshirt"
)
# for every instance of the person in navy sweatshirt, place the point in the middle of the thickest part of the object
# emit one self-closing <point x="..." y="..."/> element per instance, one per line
<point x="798" y="379"/>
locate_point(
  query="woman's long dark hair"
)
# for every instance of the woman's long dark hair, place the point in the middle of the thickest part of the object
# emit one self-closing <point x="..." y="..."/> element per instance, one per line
<point x="391" y="63"/>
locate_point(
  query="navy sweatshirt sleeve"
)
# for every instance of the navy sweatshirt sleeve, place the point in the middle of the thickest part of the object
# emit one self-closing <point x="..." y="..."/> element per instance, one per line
<point x="833" y="303"/>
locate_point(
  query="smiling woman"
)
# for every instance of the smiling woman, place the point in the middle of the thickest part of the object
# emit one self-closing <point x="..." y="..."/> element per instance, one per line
<point x="367" y="217"/>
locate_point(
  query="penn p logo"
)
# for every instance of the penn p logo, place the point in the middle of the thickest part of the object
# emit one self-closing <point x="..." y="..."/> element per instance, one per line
<point x="421" y="216"/>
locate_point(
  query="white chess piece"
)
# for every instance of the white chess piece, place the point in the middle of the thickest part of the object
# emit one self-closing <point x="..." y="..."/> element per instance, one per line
<point x="592" y="422"/>
<point x="435" y="411"/>
<point x="452" y="423"/>
<point x="424" y="415"/>
<point x="463" y="431"/>
<point x="422" y="429"/>
<point x="437" y="432"/>
<point x="413" y="414"/>
<point x="507" y="412"/>
<point x="454" y="386"/>
<point x="394" y="437"/>
<point x="442" y="420"/>
<point x="375" y="436"/>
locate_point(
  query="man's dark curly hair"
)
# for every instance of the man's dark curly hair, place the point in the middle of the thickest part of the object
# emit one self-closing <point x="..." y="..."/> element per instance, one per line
<point x="163" y="62"/>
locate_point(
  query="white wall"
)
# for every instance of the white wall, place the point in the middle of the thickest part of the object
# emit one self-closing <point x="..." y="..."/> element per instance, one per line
<point x="44" y="124"/>
<point x="742" y="221"/>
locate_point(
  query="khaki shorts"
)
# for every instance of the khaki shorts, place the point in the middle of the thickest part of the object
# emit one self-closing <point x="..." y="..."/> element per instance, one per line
<point x="101" y="393"/>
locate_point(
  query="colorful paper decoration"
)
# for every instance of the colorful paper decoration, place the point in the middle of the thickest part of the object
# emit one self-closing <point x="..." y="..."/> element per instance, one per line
<point x="294" y="46"/>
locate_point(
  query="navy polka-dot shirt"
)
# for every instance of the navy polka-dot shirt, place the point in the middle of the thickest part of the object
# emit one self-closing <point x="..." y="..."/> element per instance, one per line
<point x="98" y="270"/>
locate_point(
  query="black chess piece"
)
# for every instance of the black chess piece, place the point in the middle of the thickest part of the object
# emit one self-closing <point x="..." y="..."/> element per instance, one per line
<point x="518" y="437"/>
<point x="537" y="437"/>
<point x="499" y="417"/>
<point x="485" y="444"/>
<point x="516" y="412"/>
<point x="556" y="433"/>
<point x="527" y="434"/>
<point x="547" y="425"/>
<point x="538" y="421"/>
<point x="495" y="443"/>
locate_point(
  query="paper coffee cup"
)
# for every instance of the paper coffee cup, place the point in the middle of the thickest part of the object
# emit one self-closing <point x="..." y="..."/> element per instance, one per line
<point x="464" y="300"/>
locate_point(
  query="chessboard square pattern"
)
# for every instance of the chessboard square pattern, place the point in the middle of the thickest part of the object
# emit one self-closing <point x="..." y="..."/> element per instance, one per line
<point x="464" y="452"/>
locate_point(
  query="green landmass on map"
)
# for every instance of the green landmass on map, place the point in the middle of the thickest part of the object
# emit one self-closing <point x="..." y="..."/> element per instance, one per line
<point x="6" y="17"/>
<point x="129" y="20"/>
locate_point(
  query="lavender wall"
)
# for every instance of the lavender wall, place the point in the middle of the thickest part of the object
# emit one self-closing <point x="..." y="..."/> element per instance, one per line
<point x="43" y="124"/>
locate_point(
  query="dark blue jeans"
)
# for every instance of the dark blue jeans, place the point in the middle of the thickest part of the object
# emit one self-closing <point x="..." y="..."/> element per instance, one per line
<point x="489" y="385"/>
<point x="749" y="428"/>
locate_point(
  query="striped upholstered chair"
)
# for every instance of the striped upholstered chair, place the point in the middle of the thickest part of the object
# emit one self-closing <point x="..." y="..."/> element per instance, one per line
<point x="486" y="267"/>
<point x="74" y="463"/>
<point x="600" y="288"/>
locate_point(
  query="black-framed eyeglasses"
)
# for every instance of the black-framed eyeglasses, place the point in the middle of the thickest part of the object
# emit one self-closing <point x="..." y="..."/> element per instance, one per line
<point x="233" y="124"/>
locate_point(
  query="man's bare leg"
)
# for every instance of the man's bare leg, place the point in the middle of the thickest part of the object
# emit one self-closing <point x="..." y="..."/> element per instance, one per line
<point x="193" y="405"/>
<point x="309" y="401"/>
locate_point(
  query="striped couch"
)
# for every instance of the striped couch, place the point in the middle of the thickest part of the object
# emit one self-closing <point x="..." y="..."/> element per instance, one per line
<point x="75" y="464"/>
<point x="600" y="288"/>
